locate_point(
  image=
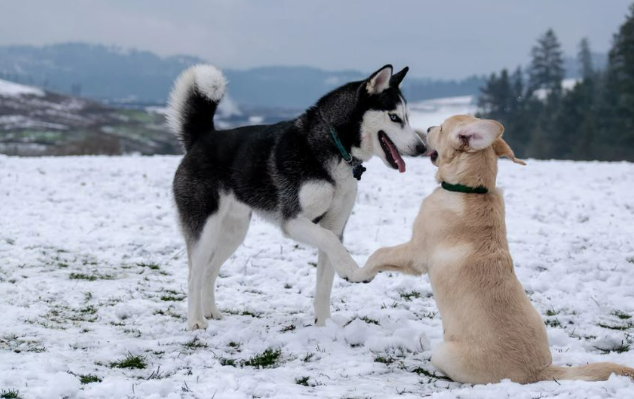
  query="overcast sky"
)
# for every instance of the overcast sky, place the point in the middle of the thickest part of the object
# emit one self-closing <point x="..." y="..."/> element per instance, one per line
<point x="440" y="39"/>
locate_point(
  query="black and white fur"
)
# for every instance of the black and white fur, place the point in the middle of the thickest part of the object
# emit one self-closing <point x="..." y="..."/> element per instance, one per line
<point x="291" y="173"/>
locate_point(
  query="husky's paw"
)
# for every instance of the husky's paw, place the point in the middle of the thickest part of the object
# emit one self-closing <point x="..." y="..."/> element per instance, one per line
<point x="362" y="275"/>
<point x="346" y="269"/>
<point x="211" y="311"/>
<point x="213" y="315"/>
<point x="197" y="324"/>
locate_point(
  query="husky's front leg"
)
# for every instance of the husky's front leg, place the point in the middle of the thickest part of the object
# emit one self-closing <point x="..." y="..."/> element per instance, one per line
<point x="303" y="230"/>
<point x="404" y="258"/>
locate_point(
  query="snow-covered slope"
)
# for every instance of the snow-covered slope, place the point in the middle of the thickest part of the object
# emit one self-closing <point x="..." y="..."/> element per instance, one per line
<point x="433" y="112"/>
<point x="10" y="89"/>
<point x="38" y="122"/>
<point x="93" y="270"/>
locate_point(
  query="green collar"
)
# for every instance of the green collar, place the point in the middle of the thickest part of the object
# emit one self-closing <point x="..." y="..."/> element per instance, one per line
<point x="344" y="153"/>
<point x="357" y="168"/>
<point x="459" y="188"/>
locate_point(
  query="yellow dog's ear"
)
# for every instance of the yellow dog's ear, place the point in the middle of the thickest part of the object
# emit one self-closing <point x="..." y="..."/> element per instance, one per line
<point x="502" y="149"/>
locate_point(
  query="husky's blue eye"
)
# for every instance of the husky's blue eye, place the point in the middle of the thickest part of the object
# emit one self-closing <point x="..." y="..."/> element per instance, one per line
<point x="395" y="118"/>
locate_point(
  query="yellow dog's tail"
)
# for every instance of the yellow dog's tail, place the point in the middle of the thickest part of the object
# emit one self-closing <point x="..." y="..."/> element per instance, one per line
<point x="589" y="372"/>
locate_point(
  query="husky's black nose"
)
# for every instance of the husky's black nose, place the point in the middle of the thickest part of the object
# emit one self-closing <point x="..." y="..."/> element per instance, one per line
<point x="420" y="149"/>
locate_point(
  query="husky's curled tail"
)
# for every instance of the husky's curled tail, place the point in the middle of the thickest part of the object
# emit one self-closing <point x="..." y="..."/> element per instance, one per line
<point x="193" y="102"/>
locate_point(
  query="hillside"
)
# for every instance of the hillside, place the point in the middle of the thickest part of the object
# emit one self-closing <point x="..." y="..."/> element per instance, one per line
<point x="125" y="76"/>
<point x="39" y="122"/>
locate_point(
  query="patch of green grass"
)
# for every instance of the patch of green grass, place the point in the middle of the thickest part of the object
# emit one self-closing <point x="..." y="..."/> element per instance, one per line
<point x="249" y="313"/>
<point x="621" y="315"/>
<point x="290" y="327"/>
<point x="195" y="344"/>
<point x="227" y="362"/>
<point x="365" y="319"/>
<point x="172" y="298"/>
<point x="149" y="265"/>
<point x="156" y="374"/>
<point x="313" y="264"/>
<point x="409" y="295"/>
<point x="394" y="305"/>
<point x="130" y="362"/>
<point x="233" y="344"/>
<point x="422" y="371"/>
<point x="302" y="381"/>
<point x="369" y="320"/>
<point x="553" y="323"/>
<point x="10" y="394"/>
<point x="242" y="313"/>
<point x="88" y="378"/>
<point x="616" y="327"/>
<point x="266" y="359"/>
<point x="308" y="357"/>
<point x="551" y="312"/>
<point x="620" y="348"/>
<point x="384" y="360"/>
<point x="88" y="310"/>
<point x="132" y="331"/>
<point x="90" y="277"/>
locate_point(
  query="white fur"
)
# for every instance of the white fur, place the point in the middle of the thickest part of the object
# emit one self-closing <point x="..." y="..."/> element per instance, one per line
<point x="224" y="231"/>
<point x="335" y="221"/>
<point x="315" y="198"/>
<point x="404" y="137"/>
<point x="209" y="81"/>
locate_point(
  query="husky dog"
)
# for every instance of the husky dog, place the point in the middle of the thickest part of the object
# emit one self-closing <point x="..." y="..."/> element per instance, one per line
<point x="296" y="174"/>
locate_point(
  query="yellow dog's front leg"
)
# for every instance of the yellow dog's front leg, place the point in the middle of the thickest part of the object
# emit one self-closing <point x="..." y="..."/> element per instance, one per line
<point x="400" y="258"/>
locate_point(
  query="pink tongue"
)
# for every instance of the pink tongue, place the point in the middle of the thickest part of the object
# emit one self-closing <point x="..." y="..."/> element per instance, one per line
<point x="396" y="156"/>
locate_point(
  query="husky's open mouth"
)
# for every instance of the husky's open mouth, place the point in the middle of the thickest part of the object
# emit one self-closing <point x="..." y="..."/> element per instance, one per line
<point x="392" y="155"/>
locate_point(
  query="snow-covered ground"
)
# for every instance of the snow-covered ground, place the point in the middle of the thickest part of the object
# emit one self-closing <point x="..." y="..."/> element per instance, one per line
<point x="93" y="270"/>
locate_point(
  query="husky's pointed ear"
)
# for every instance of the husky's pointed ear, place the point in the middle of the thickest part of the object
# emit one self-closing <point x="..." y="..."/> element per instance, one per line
<point x="477" y="135"/>
<point x="502" y="149"/>
<point x="379" y="80"/>
<point x="397" y="78"/>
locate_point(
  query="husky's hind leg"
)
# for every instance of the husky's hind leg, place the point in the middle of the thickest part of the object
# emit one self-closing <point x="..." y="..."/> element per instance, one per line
<point x="232" y="233"/>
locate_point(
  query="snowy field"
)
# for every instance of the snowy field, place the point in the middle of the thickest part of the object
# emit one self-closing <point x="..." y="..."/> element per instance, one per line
<point x="93" y="281"/>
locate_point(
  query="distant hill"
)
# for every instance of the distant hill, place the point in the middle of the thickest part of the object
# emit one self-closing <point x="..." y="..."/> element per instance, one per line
<point x="38" y="122"/>
<point x="112" y="74"/>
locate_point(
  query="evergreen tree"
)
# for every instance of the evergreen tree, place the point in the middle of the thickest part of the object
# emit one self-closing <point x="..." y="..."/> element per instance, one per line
<point x="496" y="96"/>
<point x="519" y="124"/>
<point x="547" y="65"/>
<point x="617" y="114"/>
<point x="593" y="120"/>
<point x="584" y="58"/>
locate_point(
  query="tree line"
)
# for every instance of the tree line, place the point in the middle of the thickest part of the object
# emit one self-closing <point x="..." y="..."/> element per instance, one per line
<point x="591" y="120"/>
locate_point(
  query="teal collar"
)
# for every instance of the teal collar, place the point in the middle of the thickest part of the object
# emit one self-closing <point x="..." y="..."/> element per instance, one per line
<point x="459" y="188"/>
<point x="357" y="167"/>
<point x="344" y="153"/>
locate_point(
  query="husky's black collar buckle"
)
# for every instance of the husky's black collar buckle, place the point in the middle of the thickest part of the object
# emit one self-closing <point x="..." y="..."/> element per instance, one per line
<point x="356" y="163"/>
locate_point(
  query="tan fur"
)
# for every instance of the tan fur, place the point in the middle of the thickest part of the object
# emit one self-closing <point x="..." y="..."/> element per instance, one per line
<point x="491" y="330"/>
